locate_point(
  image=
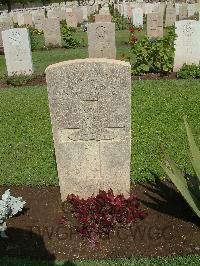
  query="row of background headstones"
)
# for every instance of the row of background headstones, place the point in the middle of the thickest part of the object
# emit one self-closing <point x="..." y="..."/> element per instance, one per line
<point x="74" y="15"/>
<point x="101" y="42"/>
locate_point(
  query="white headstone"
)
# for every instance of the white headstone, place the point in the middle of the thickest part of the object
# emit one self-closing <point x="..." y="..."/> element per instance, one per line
<point x="101" y="40"/>
<point x="17" y="52"/>
<point x="137" y="18"/>
<point x="52" y="34"/>
<point x="71" y="19"/>
<point x="187" y="43"/>
<point x="191" y="10"/>
<point x="90" y="107"/>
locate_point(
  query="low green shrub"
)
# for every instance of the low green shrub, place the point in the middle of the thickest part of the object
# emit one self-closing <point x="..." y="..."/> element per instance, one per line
<point x="121" y="23"/>
<point x="154" y="55"/>
<point x="18" y="80"/>
<point x="33" y="33"/>
<point x="68" y="39"/>
<point x="189" y="72"/>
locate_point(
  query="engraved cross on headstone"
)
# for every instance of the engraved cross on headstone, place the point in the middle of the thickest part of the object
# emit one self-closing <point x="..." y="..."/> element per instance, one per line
<point x="92" y="126"/>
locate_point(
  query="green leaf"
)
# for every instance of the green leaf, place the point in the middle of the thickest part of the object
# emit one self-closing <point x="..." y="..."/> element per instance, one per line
<point x="180" y="182"/>
<point x="194" y="151"/>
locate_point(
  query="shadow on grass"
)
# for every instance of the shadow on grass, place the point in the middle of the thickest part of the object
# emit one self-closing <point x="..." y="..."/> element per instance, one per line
<point x="164" y="198"/>
<point x="23" y="247"/>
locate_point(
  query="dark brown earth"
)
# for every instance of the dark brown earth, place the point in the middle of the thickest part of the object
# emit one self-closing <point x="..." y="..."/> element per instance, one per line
<point x="40" y="80"/>
<point x="155" y="76"/>
<point x="170" y="228"/>
<point x="34" y="81"/>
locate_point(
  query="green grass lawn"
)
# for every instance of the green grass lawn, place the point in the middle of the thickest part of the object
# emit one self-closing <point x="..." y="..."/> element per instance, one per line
<point x="165" y="261"/>
<point x="26" y="145"/>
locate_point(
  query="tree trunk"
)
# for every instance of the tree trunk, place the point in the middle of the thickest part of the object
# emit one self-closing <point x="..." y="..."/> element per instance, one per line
<point x="9" y="5"/>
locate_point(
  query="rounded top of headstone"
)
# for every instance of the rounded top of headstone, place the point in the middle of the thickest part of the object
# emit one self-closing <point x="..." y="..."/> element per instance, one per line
<point x="89" y="60"/>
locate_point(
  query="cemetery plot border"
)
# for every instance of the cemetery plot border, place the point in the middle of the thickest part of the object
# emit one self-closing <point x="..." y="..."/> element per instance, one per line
<point x="37" y="233"/>
<point x="41" y="80"/>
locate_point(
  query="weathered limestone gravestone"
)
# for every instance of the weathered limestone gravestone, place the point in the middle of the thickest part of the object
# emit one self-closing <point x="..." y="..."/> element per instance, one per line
<point x="13" y="16"/>
<point x="52" y="33"/>
<point x="137" y="17"/>
<point x="85" y="12"/>
<point x="103" y="18"/>
<point x="104" y="11"/>
<point x="183" y="12"/>
<point x="28" y="19"/>
<point x="187" y="43"/>
<point x="3" y="26"/>
<point x="154" y="25"/>
<point x="55" y="13"/>
<point x="129" y="11"/>
<point x="6" y="19"/>
<point x="177" y="6"/>
<point x="17" y="52"/>
<point x="71" y="19"/>
<point x="101" y="40"/>
<point x="148" y="8"/>
<point x="20" y="19"/>
<point x="24" y="19"/>
<point x="79" y="14"/>
<point x="161" y="8"/>
<point x="39" y="21"/>
<point x="191" y="9"/>
<point x="170" y="18"/>
<point x="90" y="107"/>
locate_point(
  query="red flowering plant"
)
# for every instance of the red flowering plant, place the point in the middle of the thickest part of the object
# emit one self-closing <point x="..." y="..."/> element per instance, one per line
<point x="133" y="39"/>
<point x="98" y="216"/>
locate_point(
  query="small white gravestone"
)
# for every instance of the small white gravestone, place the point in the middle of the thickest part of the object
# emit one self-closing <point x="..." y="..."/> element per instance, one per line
<point x="38" y="21"/>
<point x="187" y="43"/>
<point x="54" y="14"/>
<point x="52" y="34"/>
<point x="71" y="19"/>
<point x="177" y="6"/>
<point x="183" y="12"/>
<point x="125" y="10"/>
<point x="101" y="40"/>
<point x="162" y="8"/>
<point x="90" y="107"/>
<point x="3" y="26"/>
<point x="148" y="8"/>
<point x="191" y="10"/>
<point x="28" y="19"/>
<point x="154" y="25"/>
<point x="20" y="19"/>
<point x="137" y="18"/>
<point x="85" y="12"/>
<point x="17" y="50"/>
<point x="170" y="18"/>
<point x="79" y="14"/>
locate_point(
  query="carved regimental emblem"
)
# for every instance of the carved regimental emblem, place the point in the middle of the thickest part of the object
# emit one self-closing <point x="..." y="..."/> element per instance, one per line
<point x="188" y="30"/>
<point x="15" y="38"/>
<point x="100" y="32"/>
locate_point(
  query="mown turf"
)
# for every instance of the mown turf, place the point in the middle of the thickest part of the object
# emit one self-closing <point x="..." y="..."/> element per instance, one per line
<point x="158" y="108"/>
<point x="26" y="145"/>
<point x="26" y="148"/>
<point x="165" y="261"/>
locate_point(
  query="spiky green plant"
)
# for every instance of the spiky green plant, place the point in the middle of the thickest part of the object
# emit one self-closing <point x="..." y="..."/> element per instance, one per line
<point x="189" y="186"/>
